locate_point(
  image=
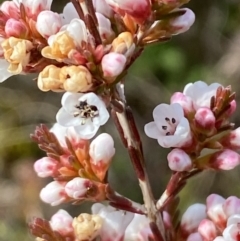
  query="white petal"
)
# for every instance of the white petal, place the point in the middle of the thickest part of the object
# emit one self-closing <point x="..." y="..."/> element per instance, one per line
<point x="86" y="131"/>
<point x="64" y="118"/>
<point x="4" y="74"/>
<point x="69" y="13"/>
<point x="152" y="131"/>
<point x="183" y="128"/>
<point x="70" y="100"/>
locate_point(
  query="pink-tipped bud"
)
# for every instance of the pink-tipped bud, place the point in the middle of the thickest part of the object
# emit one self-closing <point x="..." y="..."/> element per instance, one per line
<point x="192" y="218"/>
<point x="179" y="161"/>
<point x="185" y="101"/>
<point x="231" y="206"/>
<point x="77" y="187"/>
<point x="62" y="222"/>
<point x="101" y="152"/>
<point x="194" y="237"/>
<point x="182" y="23"/>
<point x="224" y="160"/>
<point x="215" y="210"/>
<point x="15" y="28"/>
<point x="48" y="23"/>
<point x="54" y="193"/>
<point x="113" y="64"/>
<point x="140" y="10"/>
<point x="46" y="167"/>
<point x="10" y="9"/>
<point x="205" y="120"/>
<point x="207" y="229"/>
<point x="167" y="221"/>
<point x="232" y="140"/>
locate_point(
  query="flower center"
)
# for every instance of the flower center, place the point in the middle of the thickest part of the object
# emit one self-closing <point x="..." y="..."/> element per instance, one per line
<point x="86" y="111"/>
<point x="170" y="127"/>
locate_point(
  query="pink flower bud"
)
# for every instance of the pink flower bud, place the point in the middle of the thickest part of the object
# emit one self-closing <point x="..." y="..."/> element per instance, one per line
<point x="231" y="206"/>
<point x="179" y="161"/>
<point x="224" y="160"/>
<point x="207" y="229"/>
<point x="140" y="10"/>
<point x="101" y="152"/>
<point x="232" y="140"/>
<point x="15" y="28"/>
<point x="185" y="101"/>
<point x="113" y="64"/>
<point x="46" y="167"/>
<point x="182" y="23"/>
<point x="194" y="237"/>
<point x="167" y="220"/>
<point x="62" y="222"/>
<point x="10" y="9"/>
<point x="215" y="210"/>
<point x="48" y="23"/>
<point x="77" y="187"/>
<point x="192" y="218"/>
<point x="205" y="120"/>
<point x="54" y="193"/>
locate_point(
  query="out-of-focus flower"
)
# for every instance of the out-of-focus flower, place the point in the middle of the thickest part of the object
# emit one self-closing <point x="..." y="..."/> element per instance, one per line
<point x="179" y="160"/>
<point x="195" y="237"/>
<point x="138" y="229"/>
<point x="115" y="221"/>
<point x="201" y="93"/>
<point x="62" y="222"/>
<point x="87" y="226"/>
<point x="86" y="112"/>
<point x="48" y="23"/>
<point x="207" y="229"/>
<point x="54" y="193"/>
<point x="46" y="167"/>
<point x="182" y="23"/>
<point x="170" y="127"/>
<point x="102" y="7"/>
<point x="69" y="13"/>
<point x="101" y="152"/>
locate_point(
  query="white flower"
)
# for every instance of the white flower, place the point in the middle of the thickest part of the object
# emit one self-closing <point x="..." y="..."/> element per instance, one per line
<point x="115" y="221"/>
<point x="169" y="127"/>
<point x="201" y="93"/>
<point x="4" y="73"/>
<point x="85" y="112"/>
<point x="69" y="13"/>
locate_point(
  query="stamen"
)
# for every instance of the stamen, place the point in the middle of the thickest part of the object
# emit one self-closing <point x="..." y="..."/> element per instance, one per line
<point x="168" y="134"/>
<point x="173" y="121"/>
<point x="167" y="119"/>
<point x="164" y="128"/>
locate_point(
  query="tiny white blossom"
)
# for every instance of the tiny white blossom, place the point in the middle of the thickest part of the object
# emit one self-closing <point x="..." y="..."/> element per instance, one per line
<point x="201" y="93"/>
<point x="169" y="127"/>
<point x="85" y="112"/>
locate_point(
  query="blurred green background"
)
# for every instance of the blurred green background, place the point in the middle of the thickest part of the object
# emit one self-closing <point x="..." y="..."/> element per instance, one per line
<point x="209" y="51"/>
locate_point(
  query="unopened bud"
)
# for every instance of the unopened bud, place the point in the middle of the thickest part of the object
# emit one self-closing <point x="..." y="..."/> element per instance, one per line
<point x="87" y="226"/>
<point x="179" y="161"/>
<point x="113" y="64"/>
<point x="10" y="9"/>
<point x="76" y="78"/>
<point x="205" y="120"/>
<point x="101" y="151"/>
<point x="102" y="7"/>
<point x="15" y="28"/>
<point x="48" y="23"/>
<point x="192" y="218"/>
<point x="215" y="210"/>
<point x="54" y="193"/>
<point x="62" y="222"/>
<point x="46" y="167"/>
<point x="49" y="79"/>
<point x="182" y="23"/>
<point x="231" y="206"/>
<point x="194" y="237"/>
<point x="207" y="229"/>
<point x="232" y="140"/>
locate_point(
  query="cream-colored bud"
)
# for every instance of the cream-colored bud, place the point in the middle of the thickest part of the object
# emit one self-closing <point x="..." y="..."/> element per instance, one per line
<point x="123" y="43"/>
<point x="60" y="46"/>
<point x="49" y="79"/>
<point x="76" y="78"/>
<point x="39" y="239"/>
<point x="87" y="226"/>
<point x="16" y="52"/>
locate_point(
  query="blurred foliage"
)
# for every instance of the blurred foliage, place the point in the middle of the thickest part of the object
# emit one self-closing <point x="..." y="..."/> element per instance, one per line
<point x="201" y="53"/>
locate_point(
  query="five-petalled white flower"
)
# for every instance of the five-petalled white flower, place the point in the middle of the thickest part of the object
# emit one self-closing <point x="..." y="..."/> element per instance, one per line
<point x="169" y="127"/>
<point x="85" y="112"/>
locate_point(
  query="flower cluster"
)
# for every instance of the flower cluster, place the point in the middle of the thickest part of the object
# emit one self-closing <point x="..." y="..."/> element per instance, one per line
<point x="218" y="220"/>
<point x="196" y="125"/>
<point x="78" y="167"/>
